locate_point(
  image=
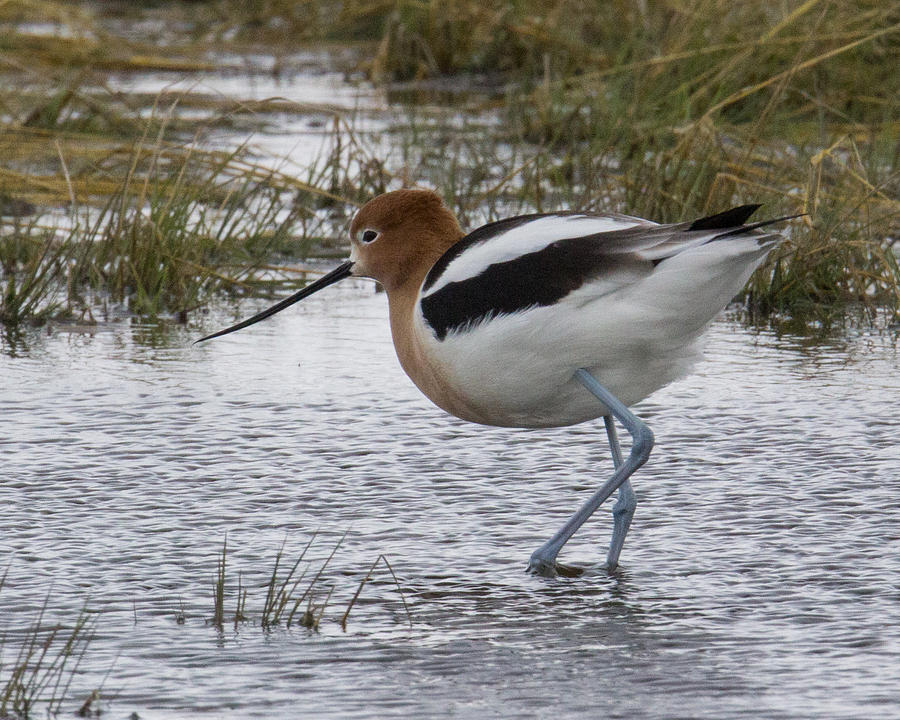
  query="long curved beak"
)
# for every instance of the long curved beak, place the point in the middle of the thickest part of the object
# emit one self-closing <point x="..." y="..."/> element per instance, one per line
<point x="339" y="273"/>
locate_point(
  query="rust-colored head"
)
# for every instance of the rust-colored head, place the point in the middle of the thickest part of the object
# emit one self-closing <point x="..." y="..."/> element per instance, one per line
<point x="395" y="238"/>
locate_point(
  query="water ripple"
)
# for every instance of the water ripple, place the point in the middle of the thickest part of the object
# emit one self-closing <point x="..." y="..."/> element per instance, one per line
<point x="761" y="577"/>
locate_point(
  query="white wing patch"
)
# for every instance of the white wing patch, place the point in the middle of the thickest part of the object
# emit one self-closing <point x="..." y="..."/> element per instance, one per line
<point x="526" y="238"/>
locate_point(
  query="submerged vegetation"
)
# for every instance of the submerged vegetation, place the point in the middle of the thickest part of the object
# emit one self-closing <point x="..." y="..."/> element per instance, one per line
<point x="659" y="110"/>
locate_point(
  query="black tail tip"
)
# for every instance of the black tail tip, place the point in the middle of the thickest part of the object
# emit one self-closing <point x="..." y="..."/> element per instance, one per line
<point x="725" y="220"/>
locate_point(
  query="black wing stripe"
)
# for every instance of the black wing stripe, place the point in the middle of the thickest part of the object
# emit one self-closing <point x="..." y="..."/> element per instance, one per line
<point x="539" y="279"/>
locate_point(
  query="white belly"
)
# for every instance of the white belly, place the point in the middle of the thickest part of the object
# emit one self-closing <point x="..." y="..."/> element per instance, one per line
<point x="518" y="370"/>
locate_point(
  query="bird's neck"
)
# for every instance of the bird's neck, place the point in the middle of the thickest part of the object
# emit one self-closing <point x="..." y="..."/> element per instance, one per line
<point x="402" y="301"/>
<point x="410" y="352"/>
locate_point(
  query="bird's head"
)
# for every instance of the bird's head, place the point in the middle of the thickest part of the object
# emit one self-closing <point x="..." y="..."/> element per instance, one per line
<point x="395" y="238"/>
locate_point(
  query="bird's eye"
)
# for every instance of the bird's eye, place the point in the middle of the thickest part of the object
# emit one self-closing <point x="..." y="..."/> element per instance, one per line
<point x="369" y="236"/>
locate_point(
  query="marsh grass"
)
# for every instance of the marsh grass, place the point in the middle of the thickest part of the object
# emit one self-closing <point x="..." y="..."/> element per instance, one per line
<point x="32" y="268"/>
<point x="181" y="228"/>
<point x="670" y="114"/>
<point x="290" y="598"/>
<point x="37" y="679"/>
<point x="153" y="220"/>
<point x="46" y="35"/>
<point x="657" y="110"/>
<point x="181" y="236"/>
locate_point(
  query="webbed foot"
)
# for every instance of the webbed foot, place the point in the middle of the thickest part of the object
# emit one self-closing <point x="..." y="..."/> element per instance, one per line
<point x="548" y="567"/>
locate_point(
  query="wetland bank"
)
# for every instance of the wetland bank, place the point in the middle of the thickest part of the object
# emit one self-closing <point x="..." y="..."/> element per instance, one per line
<point x="168" y="170"/>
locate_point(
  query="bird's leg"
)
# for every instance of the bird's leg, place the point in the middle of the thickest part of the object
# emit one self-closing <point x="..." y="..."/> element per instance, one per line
<point x="543" y="561"/>
<point x="623" y="510"/>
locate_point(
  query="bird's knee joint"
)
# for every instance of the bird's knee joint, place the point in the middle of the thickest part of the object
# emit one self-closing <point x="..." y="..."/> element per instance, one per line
<point x="643" y="444"/>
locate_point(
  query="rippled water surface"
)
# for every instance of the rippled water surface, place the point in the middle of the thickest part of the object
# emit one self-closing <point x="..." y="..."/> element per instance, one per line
<point x="761" y="577"/>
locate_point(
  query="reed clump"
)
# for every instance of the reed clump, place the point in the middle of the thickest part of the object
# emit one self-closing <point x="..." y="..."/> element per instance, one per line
<point x="297" y="594"/>
<point x="45" y="659"/>
<point x="163" y="243"/>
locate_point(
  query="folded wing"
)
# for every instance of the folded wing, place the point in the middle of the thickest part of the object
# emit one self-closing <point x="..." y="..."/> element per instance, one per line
<point x="536" y="260"/>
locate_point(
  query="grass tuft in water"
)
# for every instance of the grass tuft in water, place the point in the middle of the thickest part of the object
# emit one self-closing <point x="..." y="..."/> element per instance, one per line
<point x="38" y="680"/>
<point x="289" y="598"/>
<point x="308" y="593"/>
<point x="278" y="592"/>
<point x="33" y="267"/>
<point x="219" y="588"/>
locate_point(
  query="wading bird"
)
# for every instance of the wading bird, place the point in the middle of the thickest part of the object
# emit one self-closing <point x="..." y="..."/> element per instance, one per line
<point x="550" y="319"/>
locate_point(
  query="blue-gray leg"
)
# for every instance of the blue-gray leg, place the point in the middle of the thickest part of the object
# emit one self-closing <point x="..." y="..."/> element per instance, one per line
<point x="543" y="561"/>
<point x="623" y="510"/>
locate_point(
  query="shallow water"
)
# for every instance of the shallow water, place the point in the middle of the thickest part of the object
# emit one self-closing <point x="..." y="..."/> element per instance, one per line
<point x="761" y="577"/>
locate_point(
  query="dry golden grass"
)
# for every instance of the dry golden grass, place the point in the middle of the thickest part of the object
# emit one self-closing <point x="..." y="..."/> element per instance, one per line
<point x="666" y="111"/>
